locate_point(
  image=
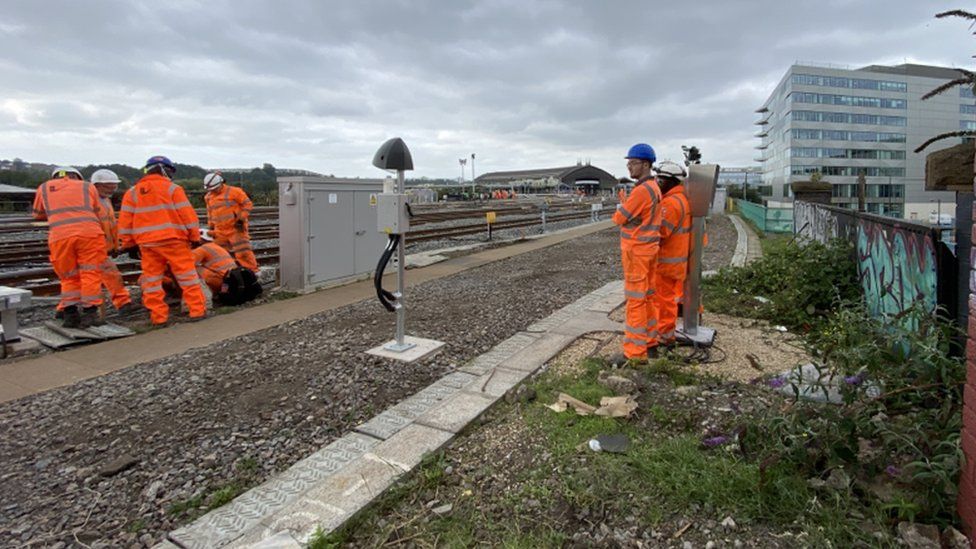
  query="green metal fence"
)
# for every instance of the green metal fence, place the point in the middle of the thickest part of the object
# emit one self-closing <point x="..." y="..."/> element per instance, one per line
<point x="768" y="220"/>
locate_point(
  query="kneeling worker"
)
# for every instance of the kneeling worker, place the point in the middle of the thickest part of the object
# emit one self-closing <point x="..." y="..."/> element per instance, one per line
<point x="157" y="218"/>
<point x="672" y="259"/>
<point x="229" y="283"/>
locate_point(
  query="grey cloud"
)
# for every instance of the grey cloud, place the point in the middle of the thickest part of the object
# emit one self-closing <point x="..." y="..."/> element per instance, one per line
<point x="320" y="84"/>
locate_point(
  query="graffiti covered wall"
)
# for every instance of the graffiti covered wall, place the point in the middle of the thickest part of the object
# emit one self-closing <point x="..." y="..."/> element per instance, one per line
<point x="897" y="267"/>
<point x="897" y="260"/>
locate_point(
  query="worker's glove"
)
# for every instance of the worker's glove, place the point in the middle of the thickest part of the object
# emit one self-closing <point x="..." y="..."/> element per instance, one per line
<point x="133" y="253"/>
<point x="196" y="244"/>
<point x="239" y="224"/>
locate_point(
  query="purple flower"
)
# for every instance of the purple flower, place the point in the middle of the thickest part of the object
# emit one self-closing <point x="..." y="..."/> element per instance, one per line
<point x="776" y="382"/>
<point x="892" y="471"/>
<point x="856" y="379"/>
<point x="712" y="442"/>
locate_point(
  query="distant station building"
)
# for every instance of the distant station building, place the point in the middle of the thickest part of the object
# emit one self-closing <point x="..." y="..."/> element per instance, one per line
<point x="586" y="178"/>
<point x="15" y="199"/>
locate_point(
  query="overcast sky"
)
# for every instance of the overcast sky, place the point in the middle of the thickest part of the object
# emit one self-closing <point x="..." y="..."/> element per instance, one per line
<point x="521" y="83"/>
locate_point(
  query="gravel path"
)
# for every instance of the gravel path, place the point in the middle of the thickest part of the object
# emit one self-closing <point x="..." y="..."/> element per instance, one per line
<point x="110" y="461"/>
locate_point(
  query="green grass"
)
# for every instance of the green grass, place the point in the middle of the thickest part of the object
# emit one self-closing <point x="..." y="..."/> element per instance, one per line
<point x="658" y="479"/>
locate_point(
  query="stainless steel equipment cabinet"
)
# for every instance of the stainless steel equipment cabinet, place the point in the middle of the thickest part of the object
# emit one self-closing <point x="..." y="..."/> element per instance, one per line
<point x="327" y="230"/>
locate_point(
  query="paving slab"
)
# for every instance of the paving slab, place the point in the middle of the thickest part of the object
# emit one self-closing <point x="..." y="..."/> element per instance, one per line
<point x="223" y="526"/>
<point x="499" y="353"/>
<point x="497" y="381"/>
<point x="532" y="358"/>
<point x="456" y="412"/>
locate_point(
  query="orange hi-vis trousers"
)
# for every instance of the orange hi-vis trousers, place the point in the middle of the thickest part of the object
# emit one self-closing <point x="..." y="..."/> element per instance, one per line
<point x="669" y="293"/>
<point x="238" y="243"/>
<point x="112" y="280"/>
<point x="75" y="260"/>
<point x="640" y="325"/>
<point x="176" y="255"/>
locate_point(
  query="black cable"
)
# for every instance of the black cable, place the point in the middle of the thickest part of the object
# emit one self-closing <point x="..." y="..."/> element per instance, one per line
<point x="386" y="298"/>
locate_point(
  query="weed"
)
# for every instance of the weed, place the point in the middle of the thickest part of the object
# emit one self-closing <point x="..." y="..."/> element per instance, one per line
<point x="801" y="284"/>
<point x="247" y="465"/>
<point x="224" y="495"/>
<point x="188" y="506"/>
<point x="135" y="526"/>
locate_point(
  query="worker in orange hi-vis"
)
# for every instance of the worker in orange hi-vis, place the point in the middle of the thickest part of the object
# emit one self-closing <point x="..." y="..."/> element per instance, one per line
<point x="639" y="217"/>
<point x="158" y="223"/>
<point x="672" y="258"/>
<point x="107" y="182"/>
<point x="228" y="209"/>
<point x="76" y="242"/>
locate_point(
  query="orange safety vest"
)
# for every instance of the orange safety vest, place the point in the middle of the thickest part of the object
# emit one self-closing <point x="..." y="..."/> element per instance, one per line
<point x="226" y="205"/>
<point x="107" y="219"/>
<point x="156" y="210"/>
<point x="639" y="218"/>
<point x="672" y="259"/>
<point x="213" y="263"/>
<point x="70" y="207"/>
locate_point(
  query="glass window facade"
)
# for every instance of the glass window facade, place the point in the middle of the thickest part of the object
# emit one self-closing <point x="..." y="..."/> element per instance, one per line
<point x="843" y="135"/>
<point x="967" y="124"/>
<point x="848" y="171"/>
<point x="967" y="109"/>
<point x="848" y="100"/>
<point x="859" y="154"/>
<point x="852" y="83"/>
<point x="849" y="118"/>
<point x="966" y="93"/>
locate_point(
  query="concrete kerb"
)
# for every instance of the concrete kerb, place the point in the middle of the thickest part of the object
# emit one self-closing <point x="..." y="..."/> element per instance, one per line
<point x="329" y="487"/>
<point x="741" y="242"/>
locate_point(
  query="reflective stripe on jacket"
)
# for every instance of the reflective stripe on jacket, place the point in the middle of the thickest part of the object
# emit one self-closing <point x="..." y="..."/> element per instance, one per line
<point x="639" y="218"/>
<point x="226" y="205"/>
<point x="70" y="207"/>
<point x="672" y="258"/>
<point x="213" y="263"/>
<point x="157" y="210"/>
<point x="106" y="218"/>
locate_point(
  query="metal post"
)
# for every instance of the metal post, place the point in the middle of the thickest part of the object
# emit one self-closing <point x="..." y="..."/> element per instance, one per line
<point x="692" y="300"/>
<point x="472" y="174"/>
<point x="401" y="308"/>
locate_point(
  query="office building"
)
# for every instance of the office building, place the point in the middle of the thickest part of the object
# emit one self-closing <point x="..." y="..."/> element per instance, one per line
<point x="841" y="123"/>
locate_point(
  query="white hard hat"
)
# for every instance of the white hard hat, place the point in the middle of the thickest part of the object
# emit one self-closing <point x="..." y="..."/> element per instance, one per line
<point x="669" y="169"/>
<point x="63" y="171"/>
<point x="105" y="176"/>
<point x="212" y="181"/>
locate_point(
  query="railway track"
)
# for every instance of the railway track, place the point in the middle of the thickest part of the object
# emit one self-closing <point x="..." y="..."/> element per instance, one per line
<point x="42" y="281"/>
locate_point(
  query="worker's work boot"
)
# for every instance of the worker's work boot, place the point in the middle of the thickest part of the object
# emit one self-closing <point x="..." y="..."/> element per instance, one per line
<point x="652" y="352"/>
<point x="72" y="318"/>
<point x="90" y="317"/>
<point x="127" y="309"/>
<point x="59" y="314"/>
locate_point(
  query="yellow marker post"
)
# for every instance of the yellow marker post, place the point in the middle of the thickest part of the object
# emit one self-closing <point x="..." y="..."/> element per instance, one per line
<point x="490" y="218"/>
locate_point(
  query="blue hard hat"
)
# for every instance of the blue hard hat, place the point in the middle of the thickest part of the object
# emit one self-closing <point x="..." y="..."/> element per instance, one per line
<point x="160" y="161"/>
<point x="642" y="151"/>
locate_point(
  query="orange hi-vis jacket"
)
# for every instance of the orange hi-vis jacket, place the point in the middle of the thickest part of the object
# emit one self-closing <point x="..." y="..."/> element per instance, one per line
<point x="109" y="226"/>
<point x="672" y="258"/>
<point x="71" y="208"/>
<point x="225" y="206"/>
<point x="639" y="218"/>
<point x="213" y="263"/>
<point x="156" y="210"/>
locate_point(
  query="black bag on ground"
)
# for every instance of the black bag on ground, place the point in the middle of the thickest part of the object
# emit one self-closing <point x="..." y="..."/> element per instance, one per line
<point x="241" y="286"/>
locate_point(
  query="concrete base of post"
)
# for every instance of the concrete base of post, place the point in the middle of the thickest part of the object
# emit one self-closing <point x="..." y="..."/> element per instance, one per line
<point x="414" y="349"/>
<point x="703" y="336"/>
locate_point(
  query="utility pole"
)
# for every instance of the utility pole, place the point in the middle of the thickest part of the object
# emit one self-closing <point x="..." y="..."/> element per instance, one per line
<point x="472" y="174"/>
<point x="462" y="162"/>
<point x="745" y="184"/>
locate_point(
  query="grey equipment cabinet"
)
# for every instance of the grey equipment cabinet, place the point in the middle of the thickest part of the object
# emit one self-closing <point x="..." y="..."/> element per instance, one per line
<point x="327" y="230"/>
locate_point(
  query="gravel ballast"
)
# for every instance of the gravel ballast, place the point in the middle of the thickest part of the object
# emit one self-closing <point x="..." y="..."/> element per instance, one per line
<point x="122" y="459"/>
